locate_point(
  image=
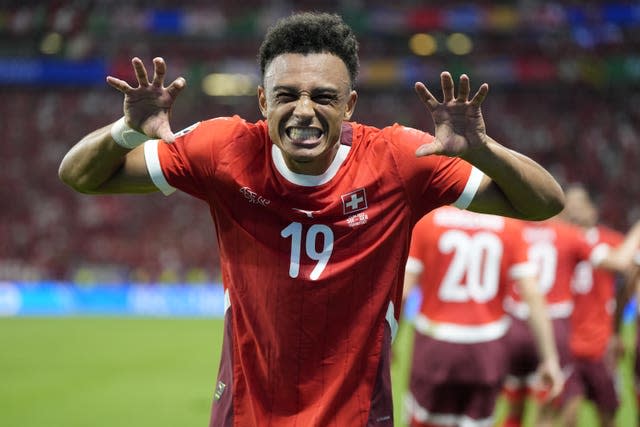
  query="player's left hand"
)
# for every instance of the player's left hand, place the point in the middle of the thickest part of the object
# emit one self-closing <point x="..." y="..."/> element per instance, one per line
<point x="459" y="126"/>
<point x="550" y="379"/>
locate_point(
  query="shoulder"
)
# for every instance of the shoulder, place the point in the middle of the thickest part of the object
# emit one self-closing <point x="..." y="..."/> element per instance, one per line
<point x="513" y="228"/>
<point x="610" y="235"/>
<point x="395" y="134"/>
<point x="398" y="133"/>
<point x="570" y="233"/>
<point x="393" y="145"/>
<point x="231" y="127"/>
<point x="549" y="232"/>
<point x="219" y="135"/>
<point x="215" y="138"/>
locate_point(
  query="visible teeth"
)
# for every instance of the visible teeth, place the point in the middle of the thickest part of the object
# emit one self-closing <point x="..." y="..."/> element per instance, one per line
<point x="301" y="134"/>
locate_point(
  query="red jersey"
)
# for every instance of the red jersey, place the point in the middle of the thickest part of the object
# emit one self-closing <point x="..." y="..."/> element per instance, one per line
<point x="312" y="265"/>
<point x="469" y="261"/>
<point x="555" y="247"/>
<point x="594" y="299"/>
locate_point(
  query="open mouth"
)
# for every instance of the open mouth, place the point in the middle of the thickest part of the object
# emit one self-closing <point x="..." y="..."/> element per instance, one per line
<point x="304" y="135"/>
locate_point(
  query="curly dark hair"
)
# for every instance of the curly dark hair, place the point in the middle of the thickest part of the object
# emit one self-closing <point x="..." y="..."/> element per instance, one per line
<point x="311" y="32"/>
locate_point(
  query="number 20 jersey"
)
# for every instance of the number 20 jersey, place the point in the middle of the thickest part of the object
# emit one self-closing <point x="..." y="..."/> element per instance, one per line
<point x="467" y="264"/>
<point x="312" y="265"/>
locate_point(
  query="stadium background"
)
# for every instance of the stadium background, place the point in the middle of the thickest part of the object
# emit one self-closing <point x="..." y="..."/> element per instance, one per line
<point x="138" y="275"/>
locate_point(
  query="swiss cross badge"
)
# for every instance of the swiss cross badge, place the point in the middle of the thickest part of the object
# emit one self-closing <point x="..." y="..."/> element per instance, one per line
<point x="354" y="201"/>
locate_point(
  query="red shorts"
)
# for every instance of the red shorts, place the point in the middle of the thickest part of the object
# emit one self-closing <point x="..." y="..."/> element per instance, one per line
<point x="593" y="380"/>
<point x="451" y="381"/>
<point x="524" y="360"/>
<point x="453" y="405"/>
<point x="523" y="354"/>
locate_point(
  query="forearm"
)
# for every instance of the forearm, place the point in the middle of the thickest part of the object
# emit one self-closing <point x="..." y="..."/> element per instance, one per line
<point x="621" y="258"/>
<point x="92" y="161"/>
<point x="98" y="165"/>
<point x="530" y="190"/>
<point x="112" y="159"/>
<point x="410" y="279"/>
<point x="539" y="322"/>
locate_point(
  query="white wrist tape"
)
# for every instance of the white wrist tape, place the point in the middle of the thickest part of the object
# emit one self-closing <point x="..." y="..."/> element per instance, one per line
<point x="126" y="137"/>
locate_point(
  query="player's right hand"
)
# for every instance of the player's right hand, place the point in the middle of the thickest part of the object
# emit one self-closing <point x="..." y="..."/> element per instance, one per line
<point x="147" y="107"/>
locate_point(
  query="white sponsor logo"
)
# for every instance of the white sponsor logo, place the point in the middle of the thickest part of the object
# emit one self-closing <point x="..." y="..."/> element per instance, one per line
<point x="253" y="197"/>
<point x="357" y="219"/>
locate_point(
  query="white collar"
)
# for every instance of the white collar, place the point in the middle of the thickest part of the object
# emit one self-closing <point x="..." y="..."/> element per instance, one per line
<point x="309" y="180"/>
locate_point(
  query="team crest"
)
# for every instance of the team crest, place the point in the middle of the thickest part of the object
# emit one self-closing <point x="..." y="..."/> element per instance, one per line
<point x="354" y="202"/>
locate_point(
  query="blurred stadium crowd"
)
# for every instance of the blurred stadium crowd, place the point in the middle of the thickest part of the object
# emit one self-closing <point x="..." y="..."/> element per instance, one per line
<point x="564" y="89"/>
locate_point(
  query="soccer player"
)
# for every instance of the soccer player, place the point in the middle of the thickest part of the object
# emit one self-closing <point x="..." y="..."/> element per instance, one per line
<point x="465" y="263"/>
<point x="313" y="214"/>
<point x="557" y="247"/>
<point x="594" y="341"/>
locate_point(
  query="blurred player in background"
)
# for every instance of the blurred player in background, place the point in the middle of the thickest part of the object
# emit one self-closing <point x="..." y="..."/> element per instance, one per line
<point x="465" y="263"/>
<point x="595" y="342"/>
<point x="556" y="247"/>
<point x="313" y="215"/>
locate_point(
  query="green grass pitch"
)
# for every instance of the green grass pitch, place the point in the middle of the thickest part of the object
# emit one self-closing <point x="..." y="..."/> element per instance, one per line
<point x="67" y="372"/>
<point x="143" y="372"/>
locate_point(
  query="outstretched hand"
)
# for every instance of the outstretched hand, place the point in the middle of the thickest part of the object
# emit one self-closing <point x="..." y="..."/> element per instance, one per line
<point x="459" y="126"/>
<point x="147" y="107"/>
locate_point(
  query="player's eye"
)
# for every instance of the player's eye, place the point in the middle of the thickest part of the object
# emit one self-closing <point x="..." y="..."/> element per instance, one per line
<point x="324" y="99"/>
<point x="285" y="97"/>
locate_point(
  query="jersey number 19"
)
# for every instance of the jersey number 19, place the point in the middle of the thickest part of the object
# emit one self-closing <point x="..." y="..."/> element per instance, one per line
<point x="316" y="232"/>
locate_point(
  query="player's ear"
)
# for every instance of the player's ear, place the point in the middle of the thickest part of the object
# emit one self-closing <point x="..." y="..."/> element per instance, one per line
<point x="262" y="101"/>
<point x="351" y="104"/>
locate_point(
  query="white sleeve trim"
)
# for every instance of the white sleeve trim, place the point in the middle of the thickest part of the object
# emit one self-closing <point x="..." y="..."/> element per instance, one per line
<point x="523" y="269"/>
<point x="227" y="301"/>
<point x="473" y="183"/>
<point x="414" y="265"/>
<point x="391" y="320"/>
<point x="154" y="168"/>
<point x="599" y="253"/>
